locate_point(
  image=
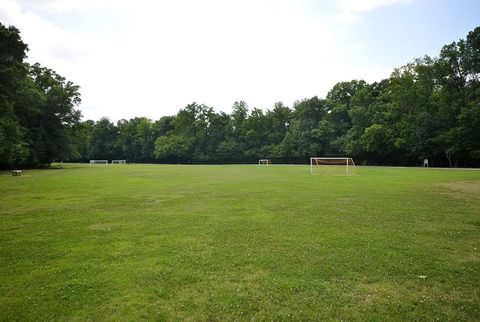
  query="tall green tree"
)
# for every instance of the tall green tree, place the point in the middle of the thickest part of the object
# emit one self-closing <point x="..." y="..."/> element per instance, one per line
<point x="13" y="148"/>
<point x="103" y="140"/>
<point x="37" y="108"/>
<point x="49" y="115"/>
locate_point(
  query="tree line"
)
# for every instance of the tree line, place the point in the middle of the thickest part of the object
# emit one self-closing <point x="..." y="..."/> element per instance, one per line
<point x="429" y="108"/>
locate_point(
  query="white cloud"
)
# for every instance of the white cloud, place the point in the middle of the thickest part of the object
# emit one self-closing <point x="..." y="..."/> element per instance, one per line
<point x="163" y="55"/>
<point x="365" y="5"/>
<point x="351" y="10"/>
<point x="347" y="17"/>
<point x="62" y="6"/>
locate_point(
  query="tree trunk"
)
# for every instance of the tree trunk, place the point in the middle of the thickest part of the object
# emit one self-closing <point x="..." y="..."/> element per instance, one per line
<point x="449" y="157"/>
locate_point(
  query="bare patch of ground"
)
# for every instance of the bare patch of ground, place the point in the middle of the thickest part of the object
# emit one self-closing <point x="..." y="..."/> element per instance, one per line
<point x="470" y="187"/>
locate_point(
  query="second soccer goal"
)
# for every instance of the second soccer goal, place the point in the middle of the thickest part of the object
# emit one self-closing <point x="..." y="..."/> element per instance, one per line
<point x="119" y="161"/>
<point x="332" y="166"/>
<point x="264" y="161"/>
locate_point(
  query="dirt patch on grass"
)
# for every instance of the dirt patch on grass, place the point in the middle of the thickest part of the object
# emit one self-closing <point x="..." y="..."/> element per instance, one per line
<point x="470" y="187"/>
<point x="152" y="202"/>
<point x="102" y="226"/>
<point x="377" y="291"/>
<point x="464" y="190"/>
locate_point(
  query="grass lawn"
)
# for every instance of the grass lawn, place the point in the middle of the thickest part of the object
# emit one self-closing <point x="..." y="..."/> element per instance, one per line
<point x="239" y="242"/>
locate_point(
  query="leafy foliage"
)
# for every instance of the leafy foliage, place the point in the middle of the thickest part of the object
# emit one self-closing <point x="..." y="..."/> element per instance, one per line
<point x="37" y="108"/>
<point x="429" y="108"/>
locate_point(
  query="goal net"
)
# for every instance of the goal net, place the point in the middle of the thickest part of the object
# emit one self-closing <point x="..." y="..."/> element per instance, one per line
<point x="92" y="162"/>
<point x="332" y="166"/>
<point x="119" y="161"/>
<point x="264" y="161"/>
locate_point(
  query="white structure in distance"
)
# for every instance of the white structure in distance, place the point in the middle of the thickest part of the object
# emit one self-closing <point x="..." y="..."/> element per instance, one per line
<point x="264" y="162"/>
<point x="333" y="166"/>
<point x="119" y="161"/>
<point x="92" y="162"/>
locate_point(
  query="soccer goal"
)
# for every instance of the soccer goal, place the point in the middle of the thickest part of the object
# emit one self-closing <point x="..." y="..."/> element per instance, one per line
<point x="92" y="162"/>
<point x="119" y="161"/>
<point x="264" y="162"/>
<point x="332" y="166"/>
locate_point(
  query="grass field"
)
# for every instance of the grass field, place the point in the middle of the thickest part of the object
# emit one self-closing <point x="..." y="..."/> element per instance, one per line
<point x="239" y="242"/>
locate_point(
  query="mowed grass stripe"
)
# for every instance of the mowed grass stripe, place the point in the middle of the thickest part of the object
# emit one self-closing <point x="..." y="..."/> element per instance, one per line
<point x="218" y="242"/>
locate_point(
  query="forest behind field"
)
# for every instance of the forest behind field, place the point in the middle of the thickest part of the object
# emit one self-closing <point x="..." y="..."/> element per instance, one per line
<point x="428" y="108"/>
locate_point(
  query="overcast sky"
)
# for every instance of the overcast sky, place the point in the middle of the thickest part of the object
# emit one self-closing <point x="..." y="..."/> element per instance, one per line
<point x="151" y="58"/>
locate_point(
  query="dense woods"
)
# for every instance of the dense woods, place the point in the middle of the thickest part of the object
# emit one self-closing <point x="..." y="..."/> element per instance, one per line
<point x="429" y="108"/>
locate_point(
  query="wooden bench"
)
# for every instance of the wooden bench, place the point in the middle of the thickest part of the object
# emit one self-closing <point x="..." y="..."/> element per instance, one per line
<point x="16" y="173"/>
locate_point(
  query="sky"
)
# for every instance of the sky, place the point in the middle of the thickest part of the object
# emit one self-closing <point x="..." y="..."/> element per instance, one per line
<point x="152" y="58"/>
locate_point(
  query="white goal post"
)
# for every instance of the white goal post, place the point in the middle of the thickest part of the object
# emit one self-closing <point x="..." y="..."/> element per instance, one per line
<point x="99" y="162"/>
<point x="334" y="166"/>
<point x="264" y="161"/>
<point x="119" y="161"/>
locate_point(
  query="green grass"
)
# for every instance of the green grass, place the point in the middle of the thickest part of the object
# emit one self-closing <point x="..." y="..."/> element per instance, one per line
<point x="168" y="242"/>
